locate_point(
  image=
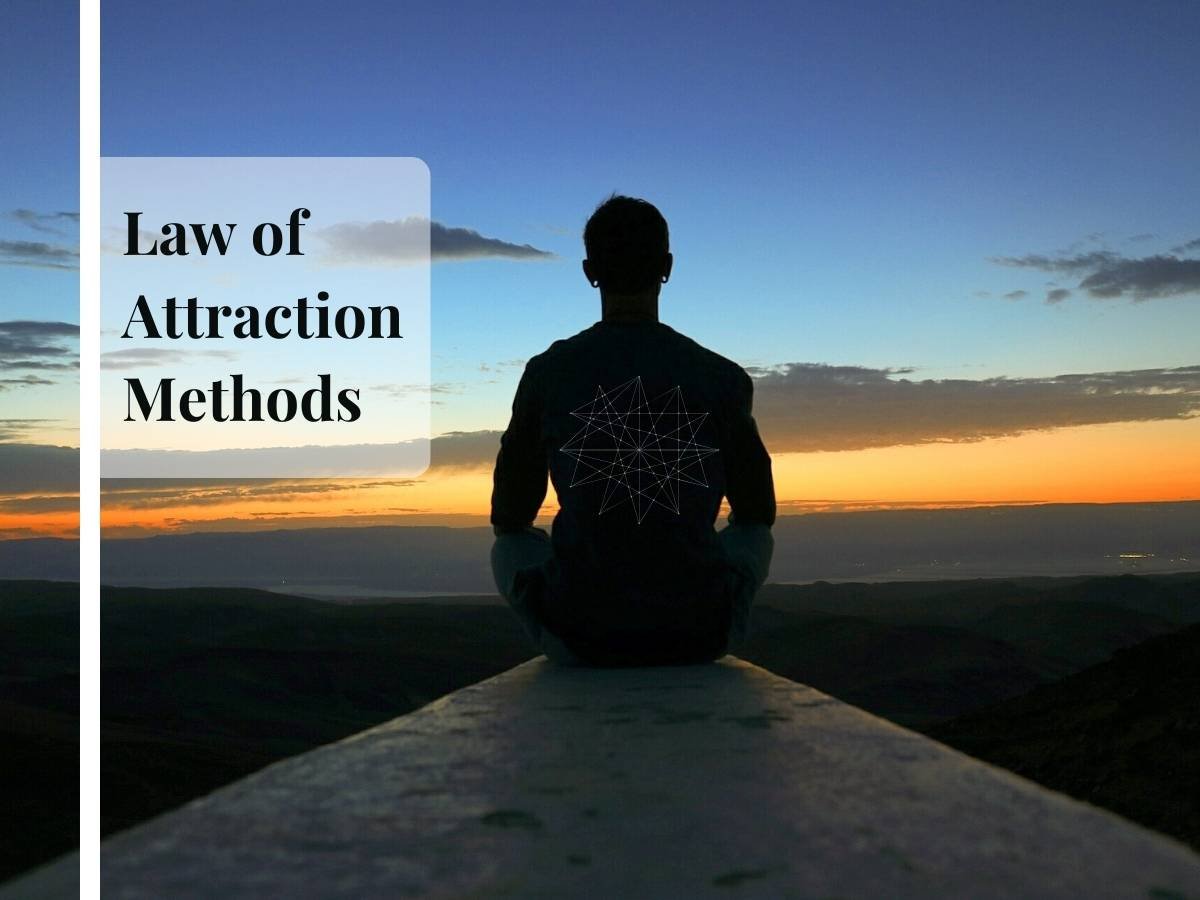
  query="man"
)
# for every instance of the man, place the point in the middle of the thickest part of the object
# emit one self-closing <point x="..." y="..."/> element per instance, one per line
<point x="642" y="431"/>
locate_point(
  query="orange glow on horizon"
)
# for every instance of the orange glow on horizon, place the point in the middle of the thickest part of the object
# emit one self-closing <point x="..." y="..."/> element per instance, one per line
<point x="1126" y="462"/>
<point x="57" y="523"/>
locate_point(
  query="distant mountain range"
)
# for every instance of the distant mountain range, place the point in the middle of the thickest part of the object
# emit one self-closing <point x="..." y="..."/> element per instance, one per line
<point x="884" y="545"/>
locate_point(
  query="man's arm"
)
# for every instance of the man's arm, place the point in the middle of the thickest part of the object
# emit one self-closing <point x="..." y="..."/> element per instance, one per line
<point x="748" y="482"/>
<point x="519" y="480"/>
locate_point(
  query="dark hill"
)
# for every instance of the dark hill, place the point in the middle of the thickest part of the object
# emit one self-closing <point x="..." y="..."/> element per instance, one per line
<point x="1172" y="597"/>
<point x="39" y="722"/>
<point x="1056" y="625"/>
<point x="1070" y="635"/>
<point x="1124" y="734"/>
<point x="911" y="674"/>
<point x="202" y="686"/>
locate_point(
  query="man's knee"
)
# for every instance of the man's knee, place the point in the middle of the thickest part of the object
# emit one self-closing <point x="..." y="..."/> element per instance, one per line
<point x="517" y="550"/>
<point x="750" y="547"/>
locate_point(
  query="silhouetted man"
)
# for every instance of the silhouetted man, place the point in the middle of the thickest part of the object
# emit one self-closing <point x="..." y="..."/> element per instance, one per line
<point x="642" y="431"/>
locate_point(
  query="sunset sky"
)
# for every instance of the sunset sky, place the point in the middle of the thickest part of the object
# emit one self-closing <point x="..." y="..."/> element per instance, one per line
<point x="958" y="246"/>
<point x="39" y="279"/>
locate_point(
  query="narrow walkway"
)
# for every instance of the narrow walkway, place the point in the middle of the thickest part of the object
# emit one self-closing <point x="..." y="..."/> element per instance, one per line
<point x="705" y="781"/>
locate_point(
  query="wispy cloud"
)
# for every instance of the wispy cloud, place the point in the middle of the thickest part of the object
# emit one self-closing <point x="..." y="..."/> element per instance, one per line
<point x="24" y="431"/>
<point x="402" y="241"/>
<point x="36" y="504"/>
<point x="149" y="357"/>
<point x="167" y="493"/>
<point x="38" y="255"/>
<point x="1105" y="274"/>
<point x="48" y="223"/>
<point x="23" y="381"/>
<point x="404" y="390"/>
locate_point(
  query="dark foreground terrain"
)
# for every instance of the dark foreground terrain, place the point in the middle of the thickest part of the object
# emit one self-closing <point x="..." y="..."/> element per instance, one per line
<point x="39" y="722"/>
<point x="202" y="686"/>
<point x="1124" y="734"/>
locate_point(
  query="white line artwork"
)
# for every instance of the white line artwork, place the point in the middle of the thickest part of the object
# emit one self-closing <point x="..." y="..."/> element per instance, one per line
<point x="644" y="450"/>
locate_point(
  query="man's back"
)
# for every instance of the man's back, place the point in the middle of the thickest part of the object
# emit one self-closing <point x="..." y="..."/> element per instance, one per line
<point x="642" y="431"/>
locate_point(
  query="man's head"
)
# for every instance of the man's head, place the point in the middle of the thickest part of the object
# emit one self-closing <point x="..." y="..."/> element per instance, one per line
<point x="628" y="247"/>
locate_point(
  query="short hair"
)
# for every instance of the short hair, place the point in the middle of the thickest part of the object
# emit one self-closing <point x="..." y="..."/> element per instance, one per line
<point x="627" y="243"/>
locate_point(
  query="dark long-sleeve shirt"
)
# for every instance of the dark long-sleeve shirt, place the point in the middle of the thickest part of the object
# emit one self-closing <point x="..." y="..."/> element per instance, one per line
<point x="642" y="431"/>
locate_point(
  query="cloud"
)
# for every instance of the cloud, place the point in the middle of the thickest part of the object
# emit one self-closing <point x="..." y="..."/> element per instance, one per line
<point x="1187" y="247"/>
<point x="27" y="468"/>
<point x="35" y="328"/>
<point x="33" y="505"/>
<point x="168" y="492"/>
<point x="1070" y="265"/>
<point x="38" y="255"/>
<point x="406" y="390"/>
<point x="809" y="407"/>
<point x="39" y="365"/>
<point x="38" y="346"/>
<point x="402" y="241"/>
<point x="114" y="239"/>
<point x="462" y="243"/>
<point x="806" y="407"/>
<point x="1145" y="279"/>
<point x="1057" y="295"/>
<point x="149" y="357"/>
<point x="454" y="451"/>
<point x="464" y="449"/>
<point x="799" y="408"/>
<point x="1107" y="275"/>
<point x="49" y="223"/>
<point x="1016" y="295"/>
<point x="23" y="381"/>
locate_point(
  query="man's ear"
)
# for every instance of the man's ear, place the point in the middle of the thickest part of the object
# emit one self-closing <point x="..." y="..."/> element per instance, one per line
<point x="666" y="273"/>
<point x="588" y="274"/>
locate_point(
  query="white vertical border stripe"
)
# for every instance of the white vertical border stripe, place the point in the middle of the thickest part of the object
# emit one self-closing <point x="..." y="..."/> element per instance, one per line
<point x="89" y="449"/>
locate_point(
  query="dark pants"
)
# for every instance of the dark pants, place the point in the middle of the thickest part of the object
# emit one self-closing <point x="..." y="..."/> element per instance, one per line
<point x="748" y="546"/>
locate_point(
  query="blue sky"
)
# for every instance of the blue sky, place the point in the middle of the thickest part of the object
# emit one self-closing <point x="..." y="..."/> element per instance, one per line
<point x="837" y="176"/>
<point x="39" y="148"/>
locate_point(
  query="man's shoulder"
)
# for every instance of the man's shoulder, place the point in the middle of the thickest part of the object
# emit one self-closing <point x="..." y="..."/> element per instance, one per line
<point x="720" y="367"/>
<point x="558" y="350"/>
<point x="565" y="350"/>
<point x="711" y="356"/>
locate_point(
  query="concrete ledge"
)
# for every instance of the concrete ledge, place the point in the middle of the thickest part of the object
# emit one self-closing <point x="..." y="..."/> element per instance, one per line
<point x="56" y="880"/>
<point x="699" y="781"/>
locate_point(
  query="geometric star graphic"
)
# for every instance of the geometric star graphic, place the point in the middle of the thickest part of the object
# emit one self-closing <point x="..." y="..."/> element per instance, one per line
<point x="644" y="450"/>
